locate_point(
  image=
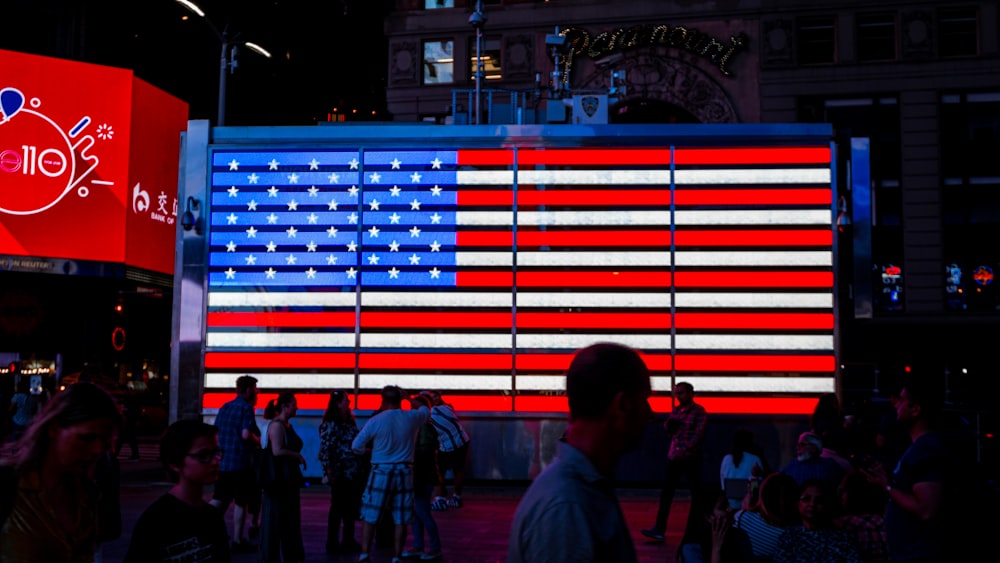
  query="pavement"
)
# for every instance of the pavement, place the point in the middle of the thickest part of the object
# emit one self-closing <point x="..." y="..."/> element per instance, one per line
<point x="475" y="533"/>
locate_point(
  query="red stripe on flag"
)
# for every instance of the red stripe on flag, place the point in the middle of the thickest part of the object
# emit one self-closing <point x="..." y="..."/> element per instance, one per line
<point x="754" y="197"/>
<point x="372" y="361"/>
<point x="584" y="320"/>
<point x="306" y="401"/>
<point x="747" y="363"/>
<point x="485" y="157"/>
<point x="753" y="279"/>
<point x="736" y="156"/>
<point x="595" y="157"/>
<point x="564" y="279"/>
<point x="714" y="405"/>
<point x="754" y="238"/>
<point x="804" y="321"/>
<point x="462" y="403"/>
<point x="540" y="404"/>
<point x="576" y="197"/>
<point x="324" y="320"/>
<point x="528" y="239"/>
<point x="527" y="361"/>
<point x="278" y="360"/>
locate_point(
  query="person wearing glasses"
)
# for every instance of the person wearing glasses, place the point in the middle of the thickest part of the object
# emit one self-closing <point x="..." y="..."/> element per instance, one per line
<point x="181" y="525"/>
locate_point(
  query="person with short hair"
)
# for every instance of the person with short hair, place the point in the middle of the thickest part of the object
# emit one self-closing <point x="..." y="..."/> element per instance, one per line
<point x="686" y="427"/>
<point x="809" y="462"/>
<point x="392" y="436"/>
<point x="453" y="450"/>
<point x="239" y="437"/>
<point x="570" y="511"/>
<point x="180" y="525"/>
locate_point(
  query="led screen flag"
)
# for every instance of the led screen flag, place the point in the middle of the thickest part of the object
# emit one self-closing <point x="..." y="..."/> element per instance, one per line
<point x="480" y="271"/>
<point x="753" y="269"/>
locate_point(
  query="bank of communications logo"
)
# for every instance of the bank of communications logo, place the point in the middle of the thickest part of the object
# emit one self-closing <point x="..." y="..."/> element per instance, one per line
<point x="40" y="163"/>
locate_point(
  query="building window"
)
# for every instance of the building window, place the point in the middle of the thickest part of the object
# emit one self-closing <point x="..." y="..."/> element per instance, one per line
<point x="491" y="59"/>
<point x="435" y="4"/>
<point x="816" y="40"/>
<point x="877" y="37"/>
<point x="970" y="198"/>
<point x="439" y="62"/>
<point x="958" y="32"/>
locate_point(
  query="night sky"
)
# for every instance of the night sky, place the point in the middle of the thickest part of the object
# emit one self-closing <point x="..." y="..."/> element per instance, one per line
<point x="325" y="54"/>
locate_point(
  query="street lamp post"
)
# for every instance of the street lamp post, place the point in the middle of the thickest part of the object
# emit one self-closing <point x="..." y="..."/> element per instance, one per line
<point x="227" y="62"/>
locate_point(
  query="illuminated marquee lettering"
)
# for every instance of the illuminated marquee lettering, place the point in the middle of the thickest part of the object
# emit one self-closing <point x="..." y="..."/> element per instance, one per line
<point x="583" y="43"/>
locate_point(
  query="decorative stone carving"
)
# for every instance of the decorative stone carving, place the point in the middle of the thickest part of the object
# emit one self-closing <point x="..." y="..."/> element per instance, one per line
<point x="653" y="76"/>
<point x="916" y="35"/>
<point x="404" y="63"/>
<point x="518" y="57"/>
<point x="776" y="47"/>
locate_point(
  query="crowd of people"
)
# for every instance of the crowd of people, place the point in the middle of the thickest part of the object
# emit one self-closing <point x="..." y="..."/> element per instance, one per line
<point x="902" y="495"/>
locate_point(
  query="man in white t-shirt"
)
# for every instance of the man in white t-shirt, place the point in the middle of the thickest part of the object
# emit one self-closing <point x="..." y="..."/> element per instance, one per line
<point x="391" y="434"/>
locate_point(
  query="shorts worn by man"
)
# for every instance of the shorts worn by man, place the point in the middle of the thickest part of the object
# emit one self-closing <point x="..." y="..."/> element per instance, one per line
<point x="239" y="439"/>
<point x="392" y="436"/>
<point x="570" y="511"/>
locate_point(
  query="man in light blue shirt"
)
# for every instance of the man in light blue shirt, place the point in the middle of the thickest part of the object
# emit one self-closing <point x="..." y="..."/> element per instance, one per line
<point x="570" y="511"/>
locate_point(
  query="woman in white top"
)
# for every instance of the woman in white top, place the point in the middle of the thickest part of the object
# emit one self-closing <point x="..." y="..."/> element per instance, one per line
<point x="740" y="464"/>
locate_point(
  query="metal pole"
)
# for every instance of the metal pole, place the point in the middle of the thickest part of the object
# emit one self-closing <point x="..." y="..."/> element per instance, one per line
<point x="479" y="20"/>
<point x="220" y="118"/>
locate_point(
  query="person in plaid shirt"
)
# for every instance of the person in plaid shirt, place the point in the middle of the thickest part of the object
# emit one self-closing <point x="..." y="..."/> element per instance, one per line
<point x="239" y="438"/>
<point x="686" y="426"/>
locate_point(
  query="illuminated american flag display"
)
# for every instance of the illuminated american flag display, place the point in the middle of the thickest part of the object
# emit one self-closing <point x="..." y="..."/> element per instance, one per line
<point x="479" y="271"/>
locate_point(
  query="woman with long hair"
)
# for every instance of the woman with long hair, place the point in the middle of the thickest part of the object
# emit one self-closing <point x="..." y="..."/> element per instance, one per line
<point x="50" y="470"/>
<point x="739" y="465"/>
<point x="281" y="513"/>
<point x="341" y="471"/>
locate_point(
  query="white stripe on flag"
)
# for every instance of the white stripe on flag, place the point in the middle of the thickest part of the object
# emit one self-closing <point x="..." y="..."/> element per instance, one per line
<point x="553" y="218"/>
<point x="282" y="299"/>
<point x="484" y="177"/>
<point x="540" y="382"/>
<point x="599" y="177"/>
<point x="574" y="341"/>
<point x="284" y="380"/>
<point x="582" y="299"/>
<point x="279" y="340"/>
<point x="753" y="342"/>
<point x="436" y="340"/>
<point x="653" y="218"/>
<point x="614" y="258"/>
<point x="443" y="299"/>
<point x="524" y="299"/>
<point x="754" y="176"/>
<point x="451" y="381"/>
<point x="746" y="384"/>
<point x="753" y="217"/>
<point x="762" y="300"/>
<point x="761" y="258"/>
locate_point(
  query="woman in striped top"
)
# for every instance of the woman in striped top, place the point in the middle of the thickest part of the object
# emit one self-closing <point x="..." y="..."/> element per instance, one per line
<point x="775" y="511"/>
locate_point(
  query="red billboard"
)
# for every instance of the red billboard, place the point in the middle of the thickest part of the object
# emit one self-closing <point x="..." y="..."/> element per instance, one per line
<point x="88" y="163"/>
